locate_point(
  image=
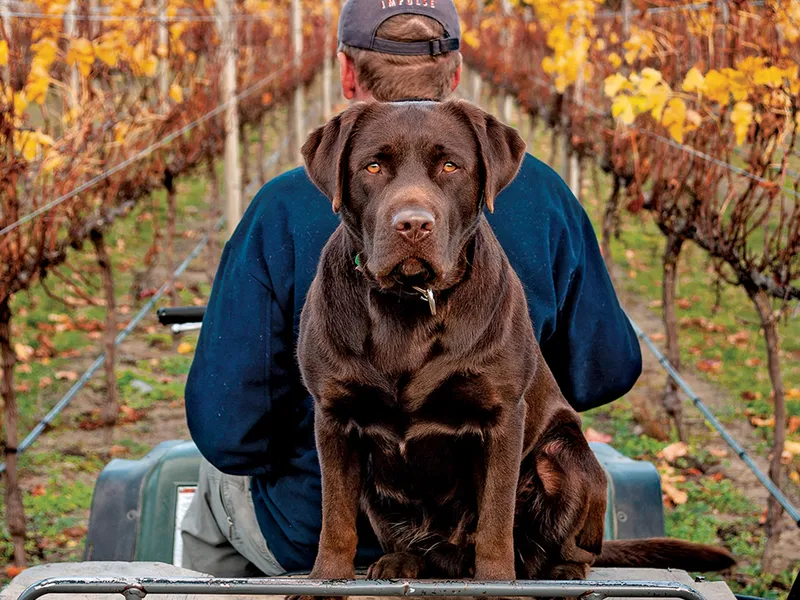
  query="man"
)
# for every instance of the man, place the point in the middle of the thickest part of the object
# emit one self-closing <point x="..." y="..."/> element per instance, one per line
<point x="258" y="505"/>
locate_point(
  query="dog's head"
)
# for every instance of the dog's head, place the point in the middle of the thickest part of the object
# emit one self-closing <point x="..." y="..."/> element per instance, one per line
<point x="411" y="180"/>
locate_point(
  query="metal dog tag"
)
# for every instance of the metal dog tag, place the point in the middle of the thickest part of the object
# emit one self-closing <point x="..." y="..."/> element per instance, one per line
<point x="427" y="296"/>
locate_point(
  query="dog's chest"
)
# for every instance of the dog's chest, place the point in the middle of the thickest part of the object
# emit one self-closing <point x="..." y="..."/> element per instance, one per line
<point x="460" y="405"/>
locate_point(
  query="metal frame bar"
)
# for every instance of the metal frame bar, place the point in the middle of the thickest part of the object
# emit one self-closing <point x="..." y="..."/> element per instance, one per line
<point x="136" y="588"/>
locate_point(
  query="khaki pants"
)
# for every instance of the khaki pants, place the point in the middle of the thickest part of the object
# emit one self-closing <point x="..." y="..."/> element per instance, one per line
<point x="220" y="532"/>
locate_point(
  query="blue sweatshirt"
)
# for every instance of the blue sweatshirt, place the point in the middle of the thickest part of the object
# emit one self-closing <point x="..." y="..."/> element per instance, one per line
<point x="247" y="409"/>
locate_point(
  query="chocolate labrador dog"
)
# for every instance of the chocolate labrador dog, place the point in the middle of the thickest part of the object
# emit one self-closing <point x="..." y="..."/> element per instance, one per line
<point x="435" y="412"/>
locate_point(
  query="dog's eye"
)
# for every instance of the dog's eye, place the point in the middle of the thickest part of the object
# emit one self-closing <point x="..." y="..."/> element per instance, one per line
<point x="449" y="167"/>
<point x="373" y="168"/>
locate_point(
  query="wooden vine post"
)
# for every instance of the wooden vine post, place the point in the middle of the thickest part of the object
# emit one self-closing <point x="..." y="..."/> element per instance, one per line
<point x="111" y="407"/>
<point x="232" y="175"/>
<point x="298" y="105"/>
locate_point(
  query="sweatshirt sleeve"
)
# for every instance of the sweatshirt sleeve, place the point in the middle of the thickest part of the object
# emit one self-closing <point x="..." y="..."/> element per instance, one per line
<point x="238" y="389"/>
<point x="594" y="353"/>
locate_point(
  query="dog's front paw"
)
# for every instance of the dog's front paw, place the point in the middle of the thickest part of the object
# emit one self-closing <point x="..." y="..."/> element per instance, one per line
<point x="399" y="565"/>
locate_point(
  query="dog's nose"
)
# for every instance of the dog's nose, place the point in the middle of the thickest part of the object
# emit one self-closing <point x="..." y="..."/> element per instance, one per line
<point x="413" y="223"/>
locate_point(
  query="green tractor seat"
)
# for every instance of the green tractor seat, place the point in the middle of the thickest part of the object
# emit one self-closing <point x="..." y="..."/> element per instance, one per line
<point x="137" y="505"/>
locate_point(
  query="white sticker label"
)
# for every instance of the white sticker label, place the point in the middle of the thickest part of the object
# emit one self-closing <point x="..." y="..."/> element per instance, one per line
<point x="185" y="495"/>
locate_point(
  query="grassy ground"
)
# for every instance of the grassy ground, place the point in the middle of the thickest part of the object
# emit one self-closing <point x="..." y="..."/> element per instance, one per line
<point x="722" y="503"/>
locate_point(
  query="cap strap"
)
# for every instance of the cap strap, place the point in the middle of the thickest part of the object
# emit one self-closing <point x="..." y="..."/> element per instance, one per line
<point x="432" y="47"/>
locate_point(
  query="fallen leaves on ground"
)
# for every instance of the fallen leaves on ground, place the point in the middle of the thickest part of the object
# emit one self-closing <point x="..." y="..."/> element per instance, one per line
<point x="185" y="348"/>
<point x="38" y="490"/>
<point x="752" y="362"/>
<point x="674" y="451"/>
<point x="793" y="447"/>
<point x="117" y="451"/>
<point x="709" y="365"/>
<point x="12" y="571"/>
<point x="674" y="494"/>
<point x="740" y="338"/>
<point x="658" y="337"/>
<point x="67" y="375"/>
<point x="794" y="424"/>
<point x="717" y="452"/>
<point x="23" y="352"/>
<point x="759" y="422"/>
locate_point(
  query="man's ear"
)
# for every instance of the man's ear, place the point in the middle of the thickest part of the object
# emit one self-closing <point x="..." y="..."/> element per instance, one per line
<point x="326" y="153"/>
<point x="500" y="147"/>
<point x="347" y="75"/>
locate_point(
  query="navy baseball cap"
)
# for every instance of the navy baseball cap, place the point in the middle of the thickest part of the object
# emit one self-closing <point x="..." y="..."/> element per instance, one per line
<point x="360" y="19"/>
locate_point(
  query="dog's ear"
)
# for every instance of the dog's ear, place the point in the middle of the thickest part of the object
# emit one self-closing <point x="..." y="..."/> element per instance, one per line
<point x="500" y="147"/>
<point x="326" y="152"/>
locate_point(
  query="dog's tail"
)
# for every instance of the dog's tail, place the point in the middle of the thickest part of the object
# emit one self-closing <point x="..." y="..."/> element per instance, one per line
<point x="664" y="553"/>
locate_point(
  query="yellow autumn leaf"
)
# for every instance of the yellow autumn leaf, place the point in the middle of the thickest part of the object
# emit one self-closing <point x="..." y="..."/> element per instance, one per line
<point x="81" y="53"/>
<point x="693" y="120"/>
<point x="3" y="53"/>
<point x="614" y="83"/>
<point x="657" y="100"/>
<point x="622" y="108"/>
<point x="650" y="79"/>
<point x="25" y="144"/>
<point x="143" y="62"/>
<point x="20" y="103"/>
<point x="771" y="76"/>
<point x="738" y="84"/>
<point x="37" y="85"/>
<point x="45" y="53"/>
<point x="615" y="60"/>
<point x="52" y="161"/>
<point x="716" y="87"/>
<point x="694" y="81"/>
<point x="751" y="64"/>
<point x="742" y="118"/>
<point x="674" y="118"/>
<point x="792" y="447"/>
<point x="120" y="131"/>
<point x="471" y="39"/>
<point x="185" y="348"/>
<point x="176" y="93"/>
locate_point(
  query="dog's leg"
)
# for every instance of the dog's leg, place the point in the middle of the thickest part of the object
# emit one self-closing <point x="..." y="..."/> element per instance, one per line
<point x="341" y="485"/>
<point x="494" y="539"/>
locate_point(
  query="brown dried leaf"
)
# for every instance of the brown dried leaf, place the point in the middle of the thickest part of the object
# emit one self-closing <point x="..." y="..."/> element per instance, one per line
<point x="23" y="351"/>
<point x="752" y="362"/>
<point x="677" y="496"/>
<point x="116" y="451"/>
<point x="709" y="365"/>
<point x="67" y="375"/>
<point x="674" y="451"/>
<point x="794" y="424"/>
<point x="739" y="338"/>
<point x="759" y="422"/>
